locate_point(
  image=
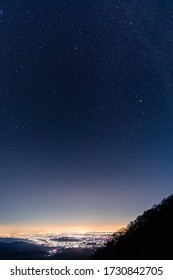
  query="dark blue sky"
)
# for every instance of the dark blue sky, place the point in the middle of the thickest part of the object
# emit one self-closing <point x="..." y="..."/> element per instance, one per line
<point x="86" y="111"/>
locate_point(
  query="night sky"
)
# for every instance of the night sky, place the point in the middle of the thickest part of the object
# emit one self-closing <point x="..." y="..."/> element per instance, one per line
<point x="86" y="111"/>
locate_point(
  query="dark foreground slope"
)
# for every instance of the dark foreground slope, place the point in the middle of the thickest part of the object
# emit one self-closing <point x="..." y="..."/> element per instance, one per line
<point x="19" y="250"/>
<point x="150" y="236"/>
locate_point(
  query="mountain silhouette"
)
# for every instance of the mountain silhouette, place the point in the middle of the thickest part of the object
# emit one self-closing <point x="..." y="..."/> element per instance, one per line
<point x="150" y="236"/>
<point x="21" y="251"/>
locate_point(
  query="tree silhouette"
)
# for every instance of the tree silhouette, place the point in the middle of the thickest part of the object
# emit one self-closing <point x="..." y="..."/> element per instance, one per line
<point x="150" y="236"/>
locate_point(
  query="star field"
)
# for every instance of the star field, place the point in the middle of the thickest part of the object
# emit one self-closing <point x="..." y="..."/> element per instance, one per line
<point x="86" y="110"/>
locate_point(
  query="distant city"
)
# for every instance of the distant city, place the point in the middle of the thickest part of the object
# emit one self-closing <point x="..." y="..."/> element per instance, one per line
<point x="61" y="245"/>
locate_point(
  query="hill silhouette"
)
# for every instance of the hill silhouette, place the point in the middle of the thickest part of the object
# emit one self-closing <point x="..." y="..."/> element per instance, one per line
<point x="20" y="250"/>
<point x="150" y="236"/>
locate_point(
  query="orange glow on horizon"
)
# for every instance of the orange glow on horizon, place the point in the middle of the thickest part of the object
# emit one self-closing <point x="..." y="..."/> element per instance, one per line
<point x="15" y="229"/>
